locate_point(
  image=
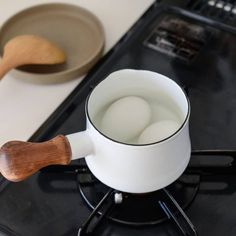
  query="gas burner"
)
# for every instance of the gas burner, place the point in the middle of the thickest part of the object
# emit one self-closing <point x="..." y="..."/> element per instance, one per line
<point x="139" y="209"/>
<point x="149" y="208"/>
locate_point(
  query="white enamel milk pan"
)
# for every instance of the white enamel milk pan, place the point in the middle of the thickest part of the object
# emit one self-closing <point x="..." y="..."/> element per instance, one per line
<point x="133" y="168"/>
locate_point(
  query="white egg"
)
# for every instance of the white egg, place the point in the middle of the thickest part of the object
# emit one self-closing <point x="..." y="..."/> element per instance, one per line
<point x="126" y="118"/>
<point x="158" y="131"/>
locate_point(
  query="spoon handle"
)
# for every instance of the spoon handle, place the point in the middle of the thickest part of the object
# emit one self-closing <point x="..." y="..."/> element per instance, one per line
<point x="4" y="68"/>
<point x="19" y="160"/>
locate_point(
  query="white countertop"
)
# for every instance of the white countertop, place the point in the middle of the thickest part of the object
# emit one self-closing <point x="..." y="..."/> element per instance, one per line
<point x="25" y="106"/>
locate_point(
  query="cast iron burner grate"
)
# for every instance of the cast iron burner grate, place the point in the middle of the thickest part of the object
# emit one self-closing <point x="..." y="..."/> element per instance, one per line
<point x="139" y="209"/>
<point x="177" y="38"/>
<point x="114" y="198"/>
<point x="167" y="203"/>
<point x="222" y="10"/>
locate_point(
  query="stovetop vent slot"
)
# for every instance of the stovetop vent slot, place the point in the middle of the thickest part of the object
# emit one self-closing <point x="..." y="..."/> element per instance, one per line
<point x="177" y="38"/>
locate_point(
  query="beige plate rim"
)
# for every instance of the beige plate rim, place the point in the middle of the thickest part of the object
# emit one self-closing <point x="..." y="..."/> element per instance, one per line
<point x="81" y="67"/>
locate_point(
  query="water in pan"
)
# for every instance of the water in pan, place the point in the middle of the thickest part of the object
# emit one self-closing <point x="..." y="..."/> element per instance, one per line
<point x="162" y="108"/>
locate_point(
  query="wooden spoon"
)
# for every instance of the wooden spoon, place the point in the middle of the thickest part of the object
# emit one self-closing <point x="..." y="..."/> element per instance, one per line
<point x="29" y="49"/>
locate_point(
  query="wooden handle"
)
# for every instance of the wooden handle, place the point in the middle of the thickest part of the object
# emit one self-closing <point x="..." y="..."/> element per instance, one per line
<point x="19" y="160"/>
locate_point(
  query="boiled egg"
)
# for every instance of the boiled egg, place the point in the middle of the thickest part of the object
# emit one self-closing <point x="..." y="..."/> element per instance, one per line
<point x="158" y="131"/>
<point x="126" y="118"/>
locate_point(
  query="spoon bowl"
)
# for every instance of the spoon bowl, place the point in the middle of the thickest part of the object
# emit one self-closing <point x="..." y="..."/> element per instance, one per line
<point x="29" y="49"/>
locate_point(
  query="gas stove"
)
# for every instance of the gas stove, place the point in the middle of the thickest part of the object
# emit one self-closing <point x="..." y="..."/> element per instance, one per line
<point x="193" y="43"/>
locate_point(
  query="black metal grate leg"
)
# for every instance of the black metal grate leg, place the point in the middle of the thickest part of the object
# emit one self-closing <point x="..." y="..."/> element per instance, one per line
<point x="87" y="228"/>
<point x="182" y="222"/>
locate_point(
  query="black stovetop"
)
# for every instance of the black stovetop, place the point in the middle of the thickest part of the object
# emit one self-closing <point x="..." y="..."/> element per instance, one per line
<point x="196" y="51"/>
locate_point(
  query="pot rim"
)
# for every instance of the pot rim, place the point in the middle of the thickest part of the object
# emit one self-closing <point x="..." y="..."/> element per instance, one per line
<point x="185" y="122"/>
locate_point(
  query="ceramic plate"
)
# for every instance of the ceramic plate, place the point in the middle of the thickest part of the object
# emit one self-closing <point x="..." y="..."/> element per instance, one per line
<point x="74" y="29"/>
